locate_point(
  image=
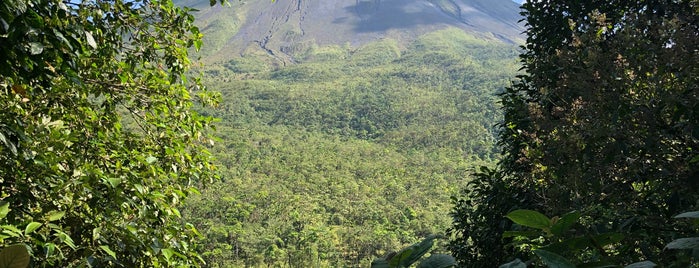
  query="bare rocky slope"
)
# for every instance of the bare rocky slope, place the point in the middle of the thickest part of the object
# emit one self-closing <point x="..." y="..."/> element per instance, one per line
<point x="285" y="28"/>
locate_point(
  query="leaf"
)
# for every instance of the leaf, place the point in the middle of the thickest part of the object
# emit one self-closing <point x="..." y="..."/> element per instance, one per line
<point x="151" y="159"/>
<point x="14" y="256"/>
<point x="36" y="48"/>
<point x="56" y="215"/>
<point x="4" y="209"/>
<point x="411" y="254"/>
<point x="608" y="238"/>
<point x="684" y="243"/>
<point x="167" y="252"/>
<point x="517" y="263"/>
<point x="31" y="227"/>
<point x="528" y="233"/>
<point x="553" y="260"/>
<point x="108" y="251"/>
<point x="690" y="214"/>
<point x="643" y="264"/>
<point x="90" y="40"/>
<point x="438" y="261"/>
<point x="530" y="218"/>
<point x="65" y="238"/>
<point x="96" y="233"/>
<point x="563" y="225"/>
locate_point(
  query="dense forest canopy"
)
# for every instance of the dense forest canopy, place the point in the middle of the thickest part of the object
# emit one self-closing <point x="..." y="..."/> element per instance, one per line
<point x="350" y="153"/>
<point x="344" y="154"/>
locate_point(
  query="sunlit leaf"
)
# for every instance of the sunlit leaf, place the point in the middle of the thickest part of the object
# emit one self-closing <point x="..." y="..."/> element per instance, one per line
<point x="109" y="251"/>
<point x="530" y="218"/>
<point x="90" y="40"/>
<point x="36" y="48"/>
<point x="56" y="215"/>
<point x="31" y="227"/>
<point x="4" y="209"/>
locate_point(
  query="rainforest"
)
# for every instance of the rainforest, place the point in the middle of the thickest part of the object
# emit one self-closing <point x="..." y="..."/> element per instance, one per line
<point x="412" y="133"/>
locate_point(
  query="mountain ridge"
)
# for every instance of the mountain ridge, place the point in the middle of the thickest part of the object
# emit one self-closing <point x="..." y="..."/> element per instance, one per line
<point x="283" y="29"/>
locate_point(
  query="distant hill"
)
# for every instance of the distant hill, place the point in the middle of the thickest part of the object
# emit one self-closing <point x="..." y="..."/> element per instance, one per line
<point x="285" y="28"/>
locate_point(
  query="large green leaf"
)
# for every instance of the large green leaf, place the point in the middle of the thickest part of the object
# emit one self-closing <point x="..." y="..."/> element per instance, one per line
<point x="530" y="218"/>
<point x="31" y="227"/>
<point x="4" y="209"/>
<point x="14" y="256"/>
<point x="643" y="264"/>
<point x="438" y="261"/>
<point x="56" y="215"/>
<point x="517" y="263"/>
<point x="565" y="222"/>
<point x="684" y="243"/>
<point x="690" y="214"/>
<point x="553" y="260"/>
<point x="411" y="254"/>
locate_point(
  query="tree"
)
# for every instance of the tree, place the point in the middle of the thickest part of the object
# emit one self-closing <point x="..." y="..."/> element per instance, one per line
<point x="605" y="120"/>
<point x="98" y="140"/>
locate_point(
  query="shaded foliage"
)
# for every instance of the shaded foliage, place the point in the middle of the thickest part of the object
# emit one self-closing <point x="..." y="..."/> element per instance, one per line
<point x="604" y="121"/>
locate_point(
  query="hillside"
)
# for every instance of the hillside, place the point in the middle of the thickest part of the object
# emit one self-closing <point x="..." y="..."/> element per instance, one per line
<point x="346" y="126"/>
<point x="284" y="29"/>
<point x="349" y="154"/>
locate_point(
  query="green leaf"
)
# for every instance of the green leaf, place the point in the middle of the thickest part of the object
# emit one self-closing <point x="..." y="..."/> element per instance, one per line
<point x="36" y="48"/>
<point x="167" y="252"/>
<point x="11" y="230"/>
<point x="31" y="227"/>
<point x="643" y="264"/>
<point x="564" y="223"/>
<point x="528" y="233"/>
<point x="90" y="40"/>
<point x="66" y="239"/>
<point x="438" y="261"/>
<point x="684" y="243"/>
<point x="96" y="233"/>
<point x="151" y="159"/>
<point x="14" y="256"/>
<point x="517" y="263"/>
<point x="50" y="248"/>
<point x="56" y="215"/>
<point x="411" y="254"/>
<point x="107" y="250"/>
<point x="608" y="238"/>
<point x="4" y="209"/>
<point x="690" y="214"/>
<point x="553" y="260"/>
<point x="530" y="218"/>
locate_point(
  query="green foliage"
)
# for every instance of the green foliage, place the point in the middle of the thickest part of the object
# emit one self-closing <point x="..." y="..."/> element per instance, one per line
<point x="602" y="122"/>
<point x="413" y="253"/>
<point x="565" y="248"/>
<point x="99" y="144"/>
<point x="342" y="157"/>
